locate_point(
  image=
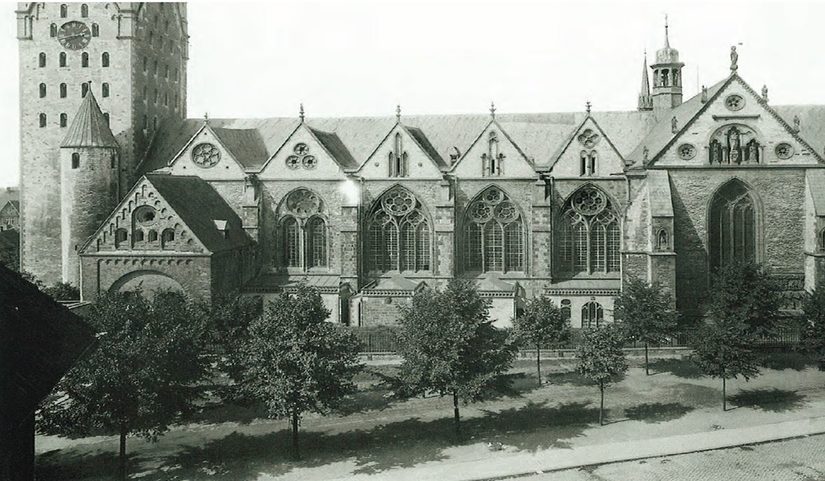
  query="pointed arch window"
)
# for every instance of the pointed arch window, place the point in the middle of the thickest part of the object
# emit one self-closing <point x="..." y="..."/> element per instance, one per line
<point x="317" y="242"/>
<point x="493" y="159"/>
<point x="292" y="242"/>
<point x="303" y="231"/>
<point x="399" y="233"/>
<point x="104" y="59"/>
<point x="493" y="234"/>
<point x="589" y="235"/>
<point x="398" y="158"/>
<point x="592" y="315"/>
<point x="732" y="226"/>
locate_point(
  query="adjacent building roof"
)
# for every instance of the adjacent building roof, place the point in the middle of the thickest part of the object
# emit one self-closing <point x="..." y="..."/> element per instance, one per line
<point x="199" y="206"/>
<point x="246" y="145"/>
<point x="89" y="127"/>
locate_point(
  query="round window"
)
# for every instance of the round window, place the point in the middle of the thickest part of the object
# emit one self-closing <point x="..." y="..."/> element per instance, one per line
<point x="145" y="215"/>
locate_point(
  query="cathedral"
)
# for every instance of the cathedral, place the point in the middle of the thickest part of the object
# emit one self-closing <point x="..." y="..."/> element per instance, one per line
<point x="120" y="190"/>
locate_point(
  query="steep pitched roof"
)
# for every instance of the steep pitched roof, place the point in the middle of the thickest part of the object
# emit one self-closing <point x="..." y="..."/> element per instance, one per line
<point x="423" y="142"/>
<point x="246" y="145"/>
<point x="198" y="205"/>
<point x="89" y="127"/>
<point x="336" y="148"/>
<point x="572" y="136"/>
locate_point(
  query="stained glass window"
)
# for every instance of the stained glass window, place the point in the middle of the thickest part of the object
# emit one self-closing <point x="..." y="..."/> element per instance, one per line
<point x="399" y="233"/>
<point x="494" y="235"/>
<point x="732" y="225"/>
<point x="589" y="237"/>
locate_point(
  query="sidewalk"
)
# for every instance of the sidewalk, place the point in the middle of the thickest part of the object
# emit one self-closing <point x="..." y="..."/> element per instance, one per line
<point x="520" y="464"/>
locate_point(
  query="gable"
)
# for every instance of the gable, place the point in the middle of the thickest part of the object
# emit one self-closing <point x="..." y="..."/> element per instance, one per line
<point x="588" y="140"/>
<point x="304" y="157"/>
<point x="420" y="163"/>
<point x="473" y="163"/>
<point x="208" y="157"/>
<point x="747" y="131"/>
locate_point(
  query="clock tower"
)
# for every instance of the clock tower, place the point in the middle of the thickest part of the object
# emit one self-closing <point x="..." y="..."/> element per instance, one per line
<point x="132" y="57"/>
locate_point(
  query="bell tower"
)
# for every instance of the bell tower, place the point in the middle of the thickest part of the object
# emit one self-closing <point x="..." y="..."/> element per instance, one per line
<point x="133" y="57"/>
<point x="667" y="77"/>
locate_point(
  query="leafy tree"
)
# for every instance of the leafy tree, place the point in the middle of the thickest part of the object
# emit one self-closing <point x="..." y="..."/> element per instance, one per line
<point x="294" y="361"/>
<point x="724" y="351"/>
<point x="141" y="376"/>
<point x="646" y="313"/>
<point x="601" y="358"/>
<point x="450" y="345"/>
<point x="542" y="323"/>
<point x="10" y="249"/>
<point x="229" y="317"/>
<point x="744" y="292"/>
<point x="813" y="329"/>
<point x="63" y="291"/>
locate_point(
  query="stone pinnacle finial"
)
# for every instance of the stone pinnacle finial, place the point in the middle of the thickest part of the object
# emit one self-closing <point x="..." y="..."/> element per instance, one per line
<point x="206" y="117"/>
<point x="587" y="106"/>
<point x="492" y="110"/>
<point x="765" y="93"/>
<point x="301" y="111"/>
<point x="667" y="39"/>
<point x="704" y="94"/>
<point x="398" y="112"/>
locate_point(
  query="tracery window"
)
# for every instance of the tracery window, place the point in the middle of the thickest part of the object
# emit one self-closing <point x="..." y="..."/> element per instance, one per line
<point x="592" y="315"/>
<point x="303" y="231"/>
<point x="399" y="233"/>
<point x="493" y="234"/>
<point x="732" y="225"/>
<point x="589" y="234"/>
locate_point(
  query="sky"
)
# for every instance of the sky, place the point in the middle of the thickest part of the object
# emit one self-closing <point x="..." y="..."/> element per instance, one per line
<point x="362" y="58"/>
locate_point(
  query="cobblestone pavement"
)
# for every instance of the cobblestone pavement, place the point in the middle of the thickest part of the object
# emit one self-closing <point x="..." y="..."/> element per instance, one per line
<point x="793" y="460"/>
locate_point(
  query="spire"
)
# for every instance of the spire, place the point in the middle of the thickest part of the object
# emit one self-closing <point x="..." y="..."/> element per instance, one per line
<point x="667" y="39"/>
<point x="645" y="100"/>
<point x="89" y="127"/>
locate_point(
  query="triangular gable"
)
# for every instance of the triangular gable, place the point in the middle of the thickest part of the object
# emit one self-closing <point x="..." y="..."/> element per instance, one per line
<point x="142" y="193"/>
<point x="422" y="159"/>
<point x="226" y="166"/>
<point x="588" y="137"/>
<point x="515" y="165"/>
<point x="768" y="127"/>
<point x="309" y="153"/>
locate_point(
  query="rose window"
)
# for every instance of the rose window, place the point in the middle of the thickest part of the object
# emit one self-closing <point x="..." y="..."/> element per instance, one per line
<point x="303" y="203"/>
<point x="301" y="157"/>
<point x="734" y="102"/>
<point x="687" y="151"/>
<point x="206" y="155"/>
<point x="588" y="138"/>
<point x="784" y="151"/>
<point x="589" y="201"/>
<point x="398" y="202"/>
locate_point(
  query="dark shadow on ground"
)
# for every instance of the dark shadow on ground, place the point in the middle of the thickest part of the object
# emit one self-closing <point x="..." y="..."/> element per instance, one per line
<point x="774" y="400"/>
<point x="657" y="412"/>
<point x="241" y="457"/>
<point x="684" y="368"/>
<point x="798" y="361"/>
<point x="63" y="465"/>
<point x="571" y="377"/>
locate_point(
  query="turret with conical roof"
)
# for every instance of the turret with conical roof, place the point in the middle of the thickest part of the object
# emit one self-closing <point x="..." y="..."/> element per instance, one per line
<point x="667" y="76"/>
<point x="89" y="163"/>
<point x="645" y="99"/>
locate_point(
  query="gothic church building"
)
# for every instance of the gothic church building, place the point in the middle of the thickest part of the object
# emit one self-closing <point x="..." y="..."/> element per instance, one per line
<point x="120" y="190"/>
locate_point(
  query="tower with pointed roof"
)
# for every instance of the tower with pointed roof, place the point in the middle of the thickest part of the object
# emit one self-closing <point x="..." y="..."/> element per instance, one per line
<point x="645" y="99"/>
<point x="667" y="76"/>
<point x="89" y="186"/>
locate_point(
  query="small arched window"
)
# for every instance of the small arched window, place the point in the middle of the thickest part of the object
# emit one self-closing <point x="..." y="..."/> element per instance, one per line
<point x="155" y="122"/>
<point x="565" y="309"/>
<point x="106" y="117"/>
<point x="153" y="235"/>
<point x="42" y="118"/>
<point x="821" y="240"/>
<point x="592" y="315"/>
<point x="64" y="120"/>
<point x="75" y="160"/>
<point x="104" y="59"/>
<point x="84" y="59"/>
<point x="661" y="240"/>
<point x="112" y="161"/>
<point x="139" y="236"/>
<point x="42" y="90"/>
<point x="145" y="64"/>
<point x="41" y="59"/>
<point x="84" y="10"/>
<point x="84" y="89"/>
<point x="104" y="89"/>
<point x="64" y="10"/>
<point x="120" y="236"/>
<point x="53" y="30"/>
<point x="316" y="233"/>
<point x="493" y="158"/>
<point x="583" y="163"/>
<point x="62" y="59"/>
<point x="95" y="30"/>
<point x="167" y="237"/>
<point x="591" y="163"/>
<point x="63" y="91"/>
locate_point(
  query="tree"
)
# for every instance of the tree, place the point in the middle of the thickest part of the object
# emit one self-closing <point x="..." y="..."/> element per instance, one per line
<point x="294" y="361"/>
<point x="63" y="291"/>
<point x="449" y="344"/>
<point x="229" y="317"/>
<point x="724" y="352"/>
<point x="601" y="358"/>
<point x="813" y="329"/>
<point x="542" y="323"/>
<point x="744" y="292"/>
<point x="646" y="313"/>
<point x="142" y="376"/>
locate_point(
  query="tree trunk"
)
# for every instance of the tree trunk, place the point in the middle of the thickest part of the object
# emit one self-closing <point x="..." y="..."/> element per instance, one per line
<point x="724" y="400"/>
<point x="647" y="367"/>
<point x="296" y="453"/>
<point x="601" y="403"/>
<point x="538" y="363"/>
<point x="122" y="454"/>
<point x="456" y="415"/>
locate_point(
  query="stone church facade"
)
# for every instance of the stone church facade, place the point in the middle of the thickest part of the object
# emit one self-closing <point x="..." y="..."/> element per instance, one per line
<point x="370" y="210"/>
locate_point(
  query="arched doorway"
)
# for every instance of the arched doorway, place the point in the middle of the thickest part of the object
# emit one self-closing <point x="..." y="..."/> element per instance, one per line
<point x="148" y="282"/>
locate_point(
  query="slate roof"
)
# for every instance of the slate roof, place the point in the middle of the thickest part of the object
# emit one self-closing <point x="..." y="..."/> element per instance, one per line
<point x="199" y="206"/>
<point x="336" y="148"/>
<point x="89" y="127"/>
<point x="246" y="145"/>
<point x="269" y="282"/>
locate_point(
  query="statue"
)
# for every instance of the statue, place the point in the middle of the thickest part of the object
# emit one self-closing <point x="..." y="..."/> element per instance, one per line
<point x="674" y="125"/>
<point x="733" y="142"/>
<point x="734" y="59"/>
<point x="704" y="94"/>
<point x="753" y="153"/>
<point x="765" y="93"/>
<point x="645" y="153"/>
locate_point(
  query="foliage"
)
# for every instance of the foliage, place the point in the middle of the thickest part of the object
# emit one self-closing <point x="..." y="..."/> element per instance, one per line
<point x="813" y="330"/>
<point x="228" y="319"/>
<point x="541" y="324"/>
<point x="449" y="344"/>
<point x="743" y="292"/>
<point x="294" y="361"/>
<point x="63" y="291"/>
<point x="724" y="351"/>
<point x="10" y="249"/>
<point x="600" y="355"/>
<point x="141" y="376"/>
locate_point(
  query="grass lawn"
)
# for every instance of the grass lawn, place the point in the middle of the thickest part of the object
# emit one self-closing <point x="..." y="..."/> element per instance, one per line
<point x="375" y="434"/>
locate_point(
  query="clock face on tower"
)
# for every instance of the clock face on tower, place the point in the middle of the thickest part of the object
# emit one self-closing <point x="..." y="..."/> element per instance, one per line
<point x="74" y="35"/>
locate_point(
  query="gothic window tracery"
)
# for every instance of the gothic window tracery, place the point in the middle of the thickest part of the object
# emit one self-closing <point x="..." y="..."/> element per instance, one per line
<point x="732" y="225"/>
<point x="589" y="235"/>
<point x="493" y="234"/>
<point x="398" y="233"/>
<point x="303" y="231"/>
<point x="592" y="315"/>
<point x="734" y="144"/>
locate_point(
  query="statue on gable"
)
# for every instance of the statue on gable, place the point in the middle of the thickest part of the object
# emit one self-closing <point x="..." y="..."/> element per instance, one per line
<point x="704" y="94"/>
<point x="734" y="59"/>
<point x="674" y="125"/>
